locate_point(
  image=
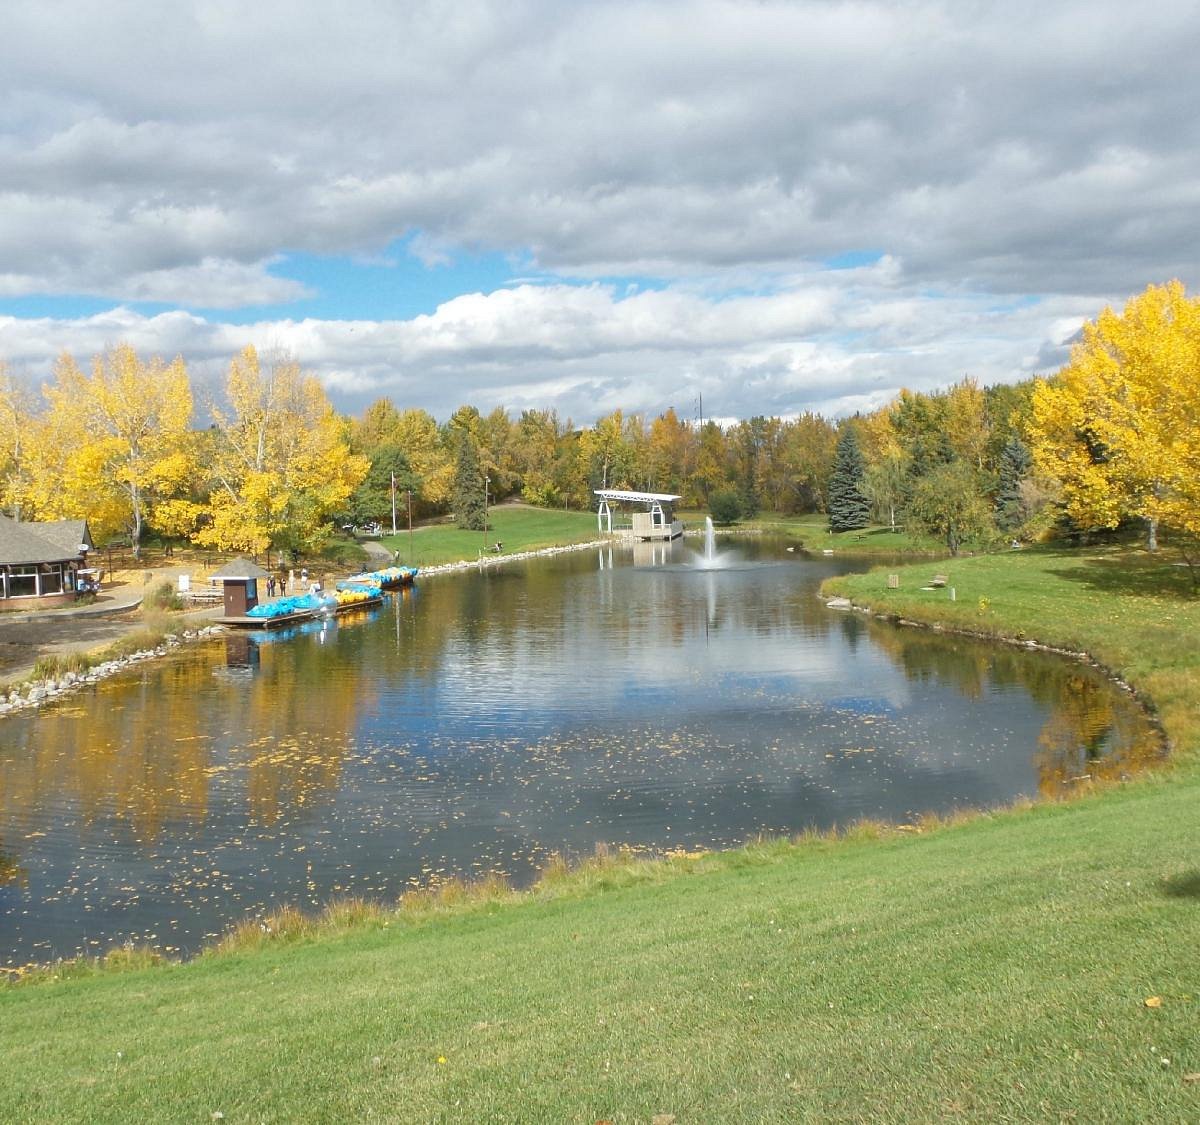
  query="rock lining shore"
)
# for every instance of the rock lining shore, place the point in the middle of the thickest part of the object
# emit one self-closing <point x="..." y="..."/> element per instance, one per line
<point x="33" y="693"/>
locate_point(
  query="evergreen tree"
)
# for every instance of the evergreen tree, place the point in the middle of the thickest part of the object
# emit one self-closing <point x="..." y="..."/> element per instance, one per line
<point x="1015" y="462"/>
<point x="849" y="505"/>
<point x="371" y="501"/>
<point x="470" y="511"/>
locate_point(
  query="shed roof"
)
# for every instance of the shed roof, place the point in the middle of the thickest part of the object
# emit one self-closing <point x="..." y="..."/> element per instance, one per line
<point x="238" y="568"/>
<point x="36" y="542"/>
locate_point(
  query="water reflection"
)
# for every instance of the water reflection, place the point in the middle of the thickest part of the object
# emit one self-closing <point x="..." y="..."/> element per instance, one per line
<point x="486" y="719"/>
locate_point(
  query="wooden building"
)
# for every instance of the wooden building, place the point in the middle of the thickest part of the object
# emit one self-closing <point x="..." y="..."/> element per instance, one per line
<point x="40" y="563"/>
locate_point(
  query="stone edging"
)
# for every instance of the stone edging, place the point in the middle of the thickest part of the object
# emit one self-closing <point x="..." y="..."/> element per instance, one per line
<point x="34" y="693"/>
<point x="496" y="560"/>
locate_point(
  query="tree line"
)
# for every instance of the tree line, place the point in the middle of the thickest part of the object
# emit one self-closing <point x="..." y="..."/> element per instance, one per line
<point x="1109" y="438"/>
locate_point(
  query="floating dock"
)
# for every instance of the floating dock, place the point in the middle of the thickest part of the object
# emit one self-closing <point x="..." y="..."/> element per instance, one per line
<point x="243" y="622"/>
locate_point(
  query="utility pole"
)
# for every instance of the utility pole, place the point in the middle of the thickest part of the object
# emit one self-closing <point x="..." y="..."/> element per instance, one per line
<point x="486" y="481"/>
<point x="410" y="543"/>
<point x="393" y="503"/>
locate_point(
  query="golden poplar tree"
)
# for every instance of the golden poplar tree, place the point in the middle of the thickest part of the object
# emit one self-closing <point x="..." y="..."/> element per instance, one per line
<point x="281" y="461"/>
<point x="1118" y="425"/>
<point x="113" y="443"/>
<point x="17" y="425"/>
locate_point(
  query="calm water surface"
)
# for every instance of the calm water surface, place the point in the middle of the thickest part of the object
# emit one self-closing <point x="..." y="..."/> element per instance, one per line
<point x="485" y="720"/>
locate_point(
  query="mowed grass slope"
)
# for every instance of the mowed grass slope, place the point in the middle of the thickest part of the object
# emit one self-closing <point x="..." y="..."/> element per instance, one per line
<point x="994" y="970"/>
<point x="517" y="527"/>
<point x="1037" y="964"/>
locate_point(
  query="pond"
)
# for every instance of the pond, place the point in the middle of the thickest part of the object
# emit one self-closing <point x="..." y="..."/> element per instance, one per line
<point x="486" y="720"/>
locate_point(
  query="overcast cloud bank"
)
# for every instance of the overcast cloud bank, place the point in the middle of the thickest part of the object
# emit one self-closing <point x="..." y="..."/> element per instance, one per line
<point x="674" y="179"/>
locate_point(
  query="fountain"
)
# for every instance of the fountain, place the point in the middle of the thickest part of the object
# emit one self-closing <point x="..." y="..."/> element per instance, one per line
<point x="710" y="560"/>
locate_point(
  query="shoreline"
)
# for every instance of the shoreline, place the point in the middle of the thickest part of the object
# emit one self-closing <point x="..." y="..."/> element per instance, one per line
<point x="840" y="603"/>
<point x="25" y="695"/>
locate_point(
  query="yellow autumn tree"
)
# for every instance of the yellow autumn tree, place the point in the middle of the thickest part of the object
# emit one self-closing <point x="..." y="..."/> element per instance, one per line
<point x="1117" y="426"/>
<point x="281" y="461"/>
<point x="17" y="424"/>
<point x="416" y="433"/>
<point x="114" y="443"/>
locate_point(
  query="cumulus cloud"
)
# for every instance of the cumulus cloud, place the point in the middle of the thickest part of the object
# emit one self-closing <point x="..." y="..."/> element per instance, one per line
<point x="172" y="153"/>
<point x="834" y="342"/>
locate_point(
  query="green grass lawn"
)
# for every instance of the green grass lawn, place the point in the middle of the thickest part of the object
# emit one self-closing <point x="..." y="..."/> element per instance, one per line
<point x="1034" y="965"/>
<point x="517" y="527"/>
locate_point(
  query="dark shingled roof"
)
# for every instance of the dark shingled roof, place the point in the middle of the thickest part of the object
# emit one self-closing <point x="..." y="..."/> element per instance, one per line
<point x="239" y="568"/>
<point x="22" y="543"/>
<point x="68" y="534"/>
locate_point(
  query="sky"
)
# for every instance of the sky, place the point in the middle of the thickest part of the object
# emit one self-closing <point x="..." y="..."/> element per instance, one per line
<point x="766" y="207"/>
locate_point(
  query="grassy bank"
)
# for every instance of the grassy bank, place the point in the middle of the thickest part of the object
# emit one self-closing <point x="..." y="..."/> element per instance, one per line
<point x="517" y="527"/>
<point x="1038" y="964"/>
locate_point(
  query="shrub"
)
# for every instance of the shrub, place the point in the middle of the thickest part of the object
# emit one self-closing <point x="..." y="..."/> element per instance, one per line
<point x="163" y="595"/>
<point x="725" y="507"/>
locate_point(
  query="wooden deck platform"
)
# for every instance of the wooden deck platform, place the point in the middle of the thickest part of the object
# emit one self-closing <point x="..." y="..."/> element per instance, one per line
<point x="299" y="615"/>
<point x="268" y="622"/>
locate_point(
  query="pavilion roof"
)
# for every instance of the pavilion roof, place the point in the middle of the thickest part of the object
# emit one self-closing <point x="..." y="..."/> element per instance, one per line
<point x="636" y="497"/>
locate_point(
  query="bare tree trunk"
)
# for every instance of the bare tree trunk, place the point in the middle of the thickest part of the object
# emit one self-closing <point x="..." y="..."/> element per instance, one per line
<point x="1152" y="535"/>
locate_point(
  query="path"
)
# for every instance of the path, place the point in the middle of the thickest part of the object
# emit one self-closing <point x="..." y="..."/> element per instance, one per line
<point x="377" y="552"/>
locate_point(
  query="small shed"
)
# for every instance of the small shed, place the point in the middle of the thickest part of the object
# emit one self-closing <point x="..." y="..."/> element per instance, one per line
<point x="239" y="582"/>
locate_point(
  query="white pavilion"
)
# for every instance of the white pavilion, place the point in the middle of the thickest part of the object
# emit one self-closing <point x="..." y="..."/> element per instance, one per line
<point x="656" y="522"/>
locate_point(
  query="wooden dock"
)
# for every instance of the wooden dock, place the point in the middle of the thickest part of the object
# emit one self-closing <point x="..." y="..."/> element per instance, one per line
<point x="269" y="622"/>
<point x="298" y="615"/>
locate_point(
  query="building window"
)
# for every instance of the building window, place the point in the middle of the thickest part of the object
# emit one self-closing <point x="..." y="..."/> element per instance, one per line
<point x="50" y="579"/>
<point x="22" y="583"/>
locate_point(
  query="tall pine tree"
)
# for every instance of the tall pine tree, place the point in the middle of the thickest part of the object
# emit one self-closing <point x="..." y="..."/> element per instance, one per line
<point x="470" y="505"/>
<point x="1015" y="462"/>
<point x="849" y="505"/>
